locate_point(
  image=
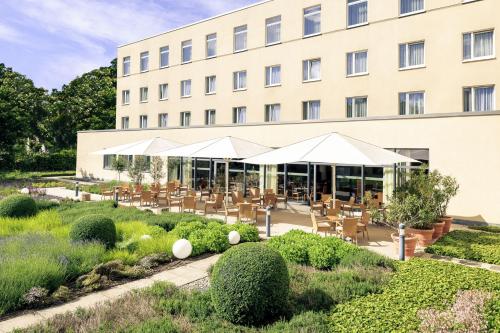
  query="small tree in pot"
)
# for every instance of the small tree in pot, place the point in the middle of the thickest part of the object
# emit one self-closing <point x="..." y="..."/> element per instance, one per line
<point x="446" y="190"/>
<point x="119" y="164"/>
<point x="156" y="169"/>
<point x="137" y="168"/>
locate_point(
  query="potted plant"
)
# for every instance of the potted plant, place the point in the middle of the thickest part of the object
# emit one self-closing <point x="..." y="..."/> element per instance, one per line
<point x="448" y="188"/>
<point x="413" y="205"/>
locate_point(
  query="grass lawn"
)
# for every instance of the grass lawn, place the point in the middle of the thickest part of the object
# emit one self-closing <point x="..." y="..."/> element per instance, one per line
<point x="37" y="251"/>
<point x="472" y="245"/>
<point x="20" y="175"/>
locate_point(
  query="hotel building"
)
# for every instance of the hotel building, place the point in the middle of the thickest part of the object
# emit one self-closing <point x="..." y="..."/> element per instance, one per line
<point x="417" y="76"/>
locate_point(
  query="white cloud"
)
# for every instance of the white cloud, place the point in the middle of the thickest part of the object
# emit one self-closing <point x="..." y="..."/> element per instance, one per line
<point x="10" y="34"/>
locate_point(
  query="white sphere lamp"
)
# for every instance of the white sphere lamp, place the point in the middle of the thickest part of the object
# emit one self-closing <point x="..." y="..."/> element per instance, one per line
<point x="182" y="249"/>
<point x="234" y="237"/>
<point x="25" y="191"/>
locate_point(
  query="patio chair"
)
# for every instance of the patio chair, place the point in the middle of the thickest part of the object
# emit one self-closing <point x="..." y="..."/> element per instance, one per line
<point x="215" y="202"/>
<point x="246" y="213"/>
<point x="230" y="211"/>
<point x="320" y="225"/>
<point x="268" y="191"/>
<point x="162" y="198"/>
<point x="363" y="224"/>
<point x="204" y="192"/>
<point x="326" y="198"/>
<point x="174" y="202"/>
<point x="282" y="198"/>
<point x="348" y="207"/>
<point x="171" y="186"/>
<point x="189" y="203"/>
<point x="270" y="200"/>
<point x="236" y="197"/>
<point x="317" y="206"/>
<point x="106" y="192"/>
<point x="146" y="198"/>
<point x="255" y="195"/>
<point x="135" y="197"/>
<point x="216" y="189"/>
<point x="349" y="229"/>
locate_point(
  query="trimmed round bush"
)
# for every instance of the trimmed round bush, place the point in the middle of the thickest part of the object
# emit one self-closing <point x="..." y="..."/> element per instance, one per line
<point x="216" y="240"/>
<point x="322" y="256"/>
<point x="91" y="228"/>
<point x="18" y="206"/>
<point x="250" y="284"/>
<point x="197" y="239"/>
<point x="248" y="233"/>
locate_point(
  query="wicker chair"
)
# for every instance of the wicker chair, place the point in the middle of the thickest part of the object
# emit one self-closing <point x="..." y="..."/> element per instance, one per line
<point x="106" y="192"/>
<point x="320" y="225"/>
<point x="246" y="213"/>
<point x="363" y="224"/>
<point x="349" y="229"/>
<point x="146" y="198"/>
<point x="230" y="211"/>
<point x="189" y="203"/>
<point x="255" y="195"/>
<point x="215" y="203"/>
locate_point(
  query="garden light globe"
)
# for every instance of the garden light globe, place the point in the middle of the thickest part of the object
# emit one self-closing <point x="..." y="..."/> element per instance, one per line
<point x="25" y="191"/>
<point x="234" y="237"/>
<point x="182" y="249"/>
<point x="145" y="237"/>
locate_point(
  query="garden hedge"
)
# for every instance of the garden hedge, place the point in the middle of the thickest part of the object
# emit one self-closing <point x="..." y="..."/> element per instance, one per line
<point x="18" y="206"/>
<point x="250" y="284"/>
<point x="94" y="228"/>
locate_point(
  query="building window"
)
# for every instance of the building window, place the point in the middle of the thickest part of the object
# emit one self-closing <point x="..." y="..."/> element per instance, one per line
<point x="211" y="45"/>
<point x="240" y="80"/>
<point x="164" y="56"/>
<point x="273" y="76"/>
<point x="312" y="21"/>
<point x="143" y="121"/>
<point x="240" y="115"/>
<point x="125" y="97"/>
<point x="478" y="45"/>
<point x="411" y="55"/>
<point x="273" y="112"/>
<point x="479" y="99"/>
<point x="163" y="120"/>
<point x="144" y="61"/>
<point x="240" y="38"/>
<point x="185" y="119"/>
<point x="312" y="70"/>
<point x="411" y="103"/>
<point x="357" y="63"/>
<point x="209" y="117"/>
<point x="108" y="162"/>
<point x="357" y="12"/>
<point x="410" y="6"/>
<point x="143" y="93"/>
<point x="357" y="107"/>
<point x="125" y="122"/>
<point x="311" y="110"/>
<point x="210" y="85"/>
<point x="126" y="66"/>
<point x="186" y="88"/>
<point x="273" y="30"/>
<point x="187" y="51"/>
<point x="163" y="91"/>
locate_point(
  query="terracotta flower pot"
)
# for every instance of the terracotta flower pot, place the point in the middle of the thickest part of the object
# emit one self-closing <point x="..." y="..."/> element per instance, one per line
<point x="410" y="244"/>
<point x="438" y="230"/>
<point x="424" y="236"/>
<point x="447" y="223"/>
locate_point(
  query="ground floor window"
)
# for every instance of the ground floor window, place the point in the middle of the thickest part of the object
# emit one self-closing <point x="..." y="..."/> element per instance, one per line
<point x="108" y="162"/>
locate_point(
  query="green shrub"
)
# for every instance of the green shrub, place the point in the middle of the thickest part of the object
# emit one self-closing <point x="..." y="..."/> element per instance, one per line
<point x="197" y="239"/>
<point x="418" y="284"/>
<point x="489" y="228"/>
<point x="18" y="206"/>
<point x="322" y="256"/>
<point x="60" y="160"/>
<point x="307" y="322"/>
<point x="248" y="233"/>
<point x="365" y="258"/>
<point x="184" y="229"/>
<point x="479" y="246"/>
<point x="94" y="228"/>
<point x="46" y="204"/>
<point x="215" y="238"/>
<point x="164" y="325"/>
<point x="250" y="284"/>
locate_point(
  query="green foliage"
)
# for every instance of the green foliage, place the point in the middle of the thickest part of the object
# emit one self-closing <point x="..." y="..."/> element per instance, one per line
<point x="156" y="169"/>
<point x="64" y="159"/>
<point x="216" y="238"/>
<point x="489" y="228"/>
<point x="417" y="284"/>
<point x="197" y="239"/>
<point x="26" y="176"/>
<point x="184" y="229"/>
<point x="164" y="325"/>
<point x="119" y="164"/>
<point x="92" y="228"/>
<point x="479" y="246"/>
<point x="43" y="204"/>
<point x="248" y="233"/>
<point x="250" y="284"/>
<point x="322" y="256"/>
<point x="18" y="206"/>
<point x="30" y="260"/>
<point x="137" y="169"/>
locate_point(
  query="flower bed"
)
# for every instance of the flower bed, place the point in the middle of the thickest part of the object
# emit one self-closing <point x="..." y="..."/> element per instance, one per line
<point x="479" y="246"/>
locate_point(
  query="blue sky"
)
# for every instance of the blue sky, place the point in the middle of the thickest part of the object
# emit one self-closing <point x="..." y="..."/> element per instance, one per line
<point x="53" y="41"/>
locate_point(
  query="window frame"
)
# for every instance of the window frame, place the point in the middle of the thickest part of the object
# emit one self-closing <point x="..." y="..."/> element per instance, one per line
<point x="266" y="113"/>
<point x="407" y="100"/>
<point x="349" y="26"/>
<point x="304" y="15"/>
<point x="107" y="161"/>
<point x="473" y="33"/>
<point x="183" y="90"/>
<point x="305" y="112"/>
<point x="207" y="85"/>
<point x="143" y="91"/>
<point x="236" y="78"/>
<point x="126" y="60"/>
<point x="235" y="34"/>
<point x="235" y="115"/>
<point x="407" y="58"/>
<point x="160" y="92"/>
<point x="268" y="71"/>
<point x="143" y="119"/>
<point x="420" y="11"/>
<point x="164" y="50"/>
<point x="185" y="46"/>
<point x="183" y="116"/>
<point x="270" y="25"/>
<point x="354" y="98"/>
<point x="309" y="67"/>
<point x="473" y="97"/>
<point x="127" y="118"/>
<point x="144" y="55"/>
<point x="354" y="53"/>
<point x="207" y="41"/>
<point x="160" y="120"/>
<point x="126" y="101"/>
<point x="210" y="119"/>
